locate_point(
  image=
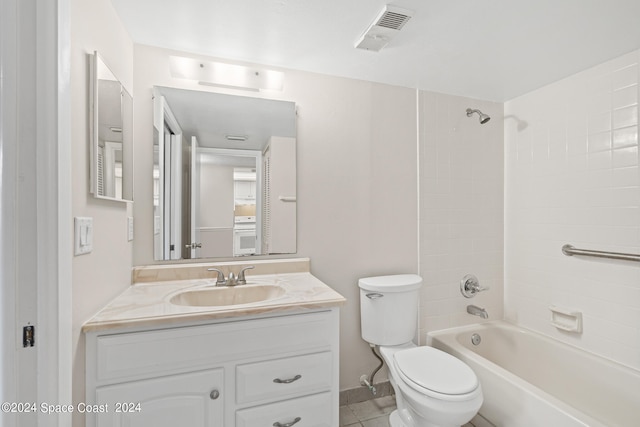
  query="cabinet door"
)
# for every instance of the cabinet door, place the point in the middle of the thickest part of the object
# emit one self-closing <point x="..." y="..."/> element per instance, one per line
<point x="178" y="400"/>
<point x="245" y="190"/>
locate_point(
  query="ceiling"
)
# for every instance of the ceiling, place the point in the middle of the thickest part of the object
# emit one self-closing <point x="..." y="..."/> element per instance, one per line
<point x="494" y="49"/>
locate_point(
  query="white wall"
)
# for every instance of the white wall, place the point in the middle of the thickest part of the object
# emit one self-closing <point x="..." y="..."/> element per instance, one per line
<point x="461" y="208"/>
<point x="572" y="176"/>
<point x="357" y="189"/>
<point x="101" y="275"/>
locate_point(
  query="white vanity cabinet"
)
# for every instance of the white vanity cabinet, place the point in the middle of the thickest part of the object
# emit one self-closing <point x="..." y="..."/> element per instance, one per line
<point x="274" y="370"/>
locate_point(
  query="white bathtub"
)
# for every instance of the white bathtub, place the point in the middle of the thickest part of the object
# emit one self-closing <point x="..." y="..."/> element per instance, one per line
<point x="529" y="380"/>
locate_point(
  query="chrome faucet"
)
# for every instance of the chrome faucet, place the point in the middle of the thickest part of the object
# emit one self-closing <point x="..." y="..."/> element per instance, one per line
<point x="220" y="281"/>
<point x="232" y="280"/>
<point x="241" y="279"/>
<point x="477" y="311"/>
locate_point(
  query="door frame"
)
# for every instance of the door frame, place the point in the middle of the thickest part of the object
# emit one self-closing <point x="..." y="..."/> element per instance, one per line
<point x="195" y="198"/>
<point x="39" y="227"/>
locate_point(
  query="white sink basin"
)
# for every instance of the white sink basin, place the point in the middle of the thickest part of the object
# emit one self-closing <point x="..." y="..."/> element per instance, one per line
<point x="225" y="296"/>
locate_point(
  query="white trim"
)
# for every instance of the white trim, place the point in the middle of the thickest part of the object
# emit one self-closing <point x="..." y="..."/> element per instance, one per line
<point x="8" y="180"/>
<point x="175" y="199"/>
<point x="38" y="223"/>
<point x="64" y="192"/>
<point x="53" y="183"/>
<point x="162" y="115"/>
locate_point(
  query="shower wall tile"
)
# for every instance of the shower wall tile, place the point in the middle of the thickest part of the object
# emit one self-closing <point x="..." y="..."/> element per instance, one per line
<point x="461" y="208"/>
<point x="571" y="176"/>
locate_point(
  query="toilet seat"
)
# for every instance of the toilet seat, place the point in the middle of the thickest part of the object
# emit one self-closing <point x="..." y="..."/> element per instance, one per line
<point x="435" y="373"/>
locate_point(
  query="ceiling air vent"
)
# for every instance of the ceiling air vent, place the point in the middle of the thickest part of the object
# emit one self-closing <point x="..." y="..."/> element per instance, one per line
<point x="386" y="25"/>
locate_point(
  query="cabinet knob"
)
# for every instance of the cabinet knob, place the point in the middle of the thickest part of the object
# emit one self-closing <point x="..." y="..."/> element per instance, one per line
<point x="214" y="394"/>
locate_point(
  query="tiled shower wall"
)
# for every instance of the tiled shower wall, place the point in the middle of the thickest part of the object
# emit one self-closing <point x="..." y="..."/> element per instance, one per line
<point x="572" y="177"/>
<point x="461" y="208"/>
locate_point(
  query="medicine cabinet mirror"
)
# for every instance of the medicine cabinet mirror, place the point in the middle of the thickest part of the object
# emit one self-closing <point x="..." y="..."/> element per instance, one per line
<point x="224" y="175"/>
<point x="111" y="129"/>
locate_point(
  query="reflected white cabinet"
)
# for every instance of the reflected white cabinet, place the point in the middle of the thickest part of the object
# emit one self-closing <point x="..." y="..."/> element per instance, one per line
<point x="244" y="190"/>
<point x="237" y="372"/>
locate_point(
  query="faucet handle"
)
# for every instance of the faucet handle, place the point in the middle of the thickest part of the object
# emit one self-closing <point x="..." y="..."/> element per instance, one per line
<point x="241" y="279"/>
<point x="470" y="286"/>
<point x="220" y="281"/>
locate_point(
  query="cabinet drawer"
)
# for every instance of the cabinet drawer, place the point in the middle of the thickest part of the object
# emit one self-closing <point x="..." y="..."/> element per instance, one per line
<point x="285" y="377"/>
<point x="314" y="411"/>
<point x="146" y="354"/>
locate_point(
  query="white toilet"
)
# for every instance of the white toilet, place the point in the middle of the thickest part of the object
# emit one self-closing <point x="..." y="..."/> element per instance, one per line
<point x="433" y="388"/>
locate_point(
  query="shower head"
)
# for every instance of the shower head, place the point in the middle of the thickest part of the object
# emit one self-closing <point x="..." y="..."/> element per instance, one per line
<point x="484" y="118"/>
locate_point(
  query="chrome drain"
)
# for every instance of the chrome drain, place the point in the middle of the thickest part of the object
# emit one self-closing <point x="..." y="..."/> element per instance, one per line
<point x="475" y="339"/>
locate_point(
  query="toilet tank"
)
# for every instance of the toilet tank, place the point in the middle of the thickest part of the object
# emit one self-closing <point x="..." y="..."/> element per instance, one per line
<point x="389" y="308"/>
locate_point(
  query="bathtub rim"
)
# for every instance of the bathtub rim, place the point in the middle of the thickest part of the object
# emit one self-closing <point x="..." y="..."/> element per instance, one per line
<point x="506" y="324"/>
<point x="447" y="340"/>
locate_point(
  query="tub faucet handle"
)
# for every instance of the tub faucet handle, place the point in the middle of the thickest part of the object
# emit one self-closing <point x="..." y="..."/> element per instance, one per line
<point x="470" y="286"/>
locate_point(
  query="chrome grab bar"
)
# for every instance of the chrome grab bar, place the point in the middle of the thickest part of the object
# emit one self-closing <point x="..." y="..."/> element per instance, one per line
<point x="570" y="250"/>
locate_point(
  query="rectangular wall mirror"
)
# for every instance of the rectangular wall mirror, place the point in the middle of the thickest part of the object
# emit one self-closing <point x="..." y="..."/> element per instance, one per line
<point x="224" y="175"/>
<point x="111" y="146"/>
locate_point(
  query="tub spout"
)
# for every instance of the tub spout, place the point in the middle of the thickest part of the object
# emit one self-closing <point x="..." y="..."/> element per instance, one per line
<point x="477" y="311"/>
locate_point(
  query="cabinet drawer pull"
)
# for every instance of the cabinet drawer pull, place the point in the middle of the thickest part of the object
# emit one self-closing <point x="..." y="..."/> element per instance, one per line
<point x="288" y="381"/>
<point x="287" y="424"/>
<point x="214" y="394"/>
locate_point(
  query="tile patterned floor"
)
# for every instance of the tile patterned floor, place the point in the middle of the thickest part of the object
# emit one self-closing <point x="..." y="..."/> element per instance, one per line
<point x="371" y="413"/>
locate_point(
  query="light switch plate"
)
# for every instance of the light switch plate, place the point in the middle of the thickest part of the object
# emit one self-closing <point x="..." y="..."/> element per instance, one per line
<point x="129" y="228"/>
<point x="83" y="238"/>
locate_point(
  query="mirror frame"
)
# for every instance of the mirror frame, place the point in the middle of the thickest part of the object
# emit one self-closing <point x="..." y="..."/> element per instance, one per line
<point x="126" y="112"/>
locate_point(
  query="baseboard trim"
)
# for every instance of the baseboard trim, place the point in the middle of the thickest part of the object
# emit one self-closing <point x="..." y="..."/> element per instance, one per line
<point x="362" y="394"/>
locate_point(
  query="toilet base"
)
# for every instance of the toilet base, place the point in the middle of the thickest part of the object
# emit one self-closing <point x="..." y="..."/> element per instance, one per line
<point x="395" y="420"/>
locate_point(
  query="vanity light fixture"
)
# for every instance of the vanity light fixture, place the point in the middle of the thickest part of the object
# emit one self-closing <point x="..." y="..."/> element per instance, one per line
<point x="220" y="74"/>
<point x="236" y="137"/>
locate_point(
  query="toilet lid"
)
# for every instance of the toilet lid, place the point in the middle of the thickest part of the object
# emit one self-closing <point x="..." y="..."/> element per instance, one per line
<point x="435" y="370"/>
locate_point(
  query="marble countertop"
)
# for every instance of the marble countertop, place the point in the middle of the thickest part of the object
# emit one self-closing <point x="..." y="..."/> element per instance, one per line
<point x="148" y="304"/>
